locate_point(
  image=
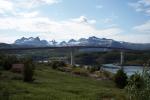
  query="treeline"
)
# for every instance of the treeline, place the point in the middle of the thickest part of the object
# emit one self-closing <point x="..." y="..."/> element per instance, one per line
<point x="7" y="61"/>
<point x="131" y="58"/>
<point x="88" y="58"/>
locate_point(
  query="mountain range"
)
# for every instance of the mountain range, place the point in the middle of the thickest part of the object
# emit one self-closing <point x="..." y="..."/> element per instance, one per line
<point x="91" y="41"/>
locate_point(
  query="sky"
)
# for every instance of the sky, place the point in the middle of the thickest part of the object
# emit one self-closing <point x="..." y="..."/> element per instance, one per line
<point x="122" y="20"/>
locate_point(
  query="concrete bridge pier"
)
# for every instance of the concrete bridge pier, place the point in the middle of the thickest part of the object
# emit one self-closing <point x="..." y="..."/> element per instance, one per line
<point x="71" y="57"/>
<point x="72" y="62"/>
<point x="121" y="59"/>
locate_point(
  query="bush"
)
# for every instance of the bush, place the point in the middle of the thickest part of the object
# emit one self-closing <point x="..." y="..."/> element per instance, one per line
<point x="65" y="69"/>
<point x="57" y="64"/>
<point x="17" y="77"/>
<point x="148" y="63"/>
<point x="136" y="80"/>
<point x="94" y="68"/>
<point x="138" y="87"/>
<point x="28" y="70"/>
<point x="104" y="75"/>
<point x="7" y="61"/>
<point x="4" y="92"/>
<point x="120" y="79"/>
<point x="80" y="71"/>
<point x="108" y="75"/>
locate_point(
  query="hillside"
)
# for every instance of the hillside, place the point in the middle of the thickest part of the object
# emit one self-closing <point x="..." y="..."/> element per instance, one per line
<point x="55" y="85"/>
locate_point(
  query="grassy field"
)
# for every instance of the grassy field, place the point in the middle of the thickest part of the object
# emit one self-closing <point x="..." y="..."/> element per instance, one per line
<point x="55" y="85"/>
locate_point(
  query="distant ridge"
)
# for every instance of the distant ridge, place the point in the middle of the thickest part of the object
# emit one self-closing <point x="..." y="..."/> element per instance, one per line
<point x="91" y="41"/>
<point x="31" y="41"/>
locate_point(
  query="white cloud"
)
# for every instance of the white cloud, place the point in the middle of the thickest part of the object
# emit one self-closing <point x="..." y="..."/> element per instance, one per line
<point x="144" y="28"/>
<point x="49" y="1"/>
<point x="28" y="14"/>
<point x="141" y="6"/>
<point x="145" y="2"/>
<point x="148" y="11"/>
<point x="5" y="6"/>
<point x="58" y="29"/>
<point x="107" y="33"/>
<point x="7" y="39"/>
<point x="83" y="19"/>
<point x="133" y="37"/>
<point x="23" y="20"/>
<point x="19" y="7"/>
<point x="35" y="3"/>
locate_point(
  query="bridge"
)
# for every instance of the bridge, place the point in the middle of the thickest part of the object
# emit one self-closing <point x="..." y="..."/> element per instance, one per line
<point x="63" y="47"/>
<point x="72" y="48"/>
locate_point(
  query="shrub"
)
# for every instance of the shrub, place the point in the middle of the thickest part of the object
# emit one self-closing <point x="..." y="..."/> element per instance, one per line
<point x="17" y="77"/>
<point x="28" y="70"/>
<point x="108" y="75"/>
<point x="148" y="63"/>
<point x="57" y="64"/>
<point x="4" y="92"/>
<point x="120" y="79"/>
<point x="136" y="80"/>
<point x="105" y="75"/>
<point x="138" y="87"/>
<point x="7" y="62"/>
<point x="65" y="69"/>
<point x="80" y="71"/>
<point x="94" y="68"/>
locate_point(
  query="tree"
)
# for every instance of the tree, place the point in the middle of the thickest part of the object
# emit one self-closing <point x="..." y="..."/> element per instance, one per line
<point x="120" y="79"/>
<point x="4" y="92"/>
<point x="148" y="63"/>
<point x="57" y="64"/>
<point x="94" y="68"/>
<point x="7" y="61"/>
<point x="28" y="70"/>
<point x="138" y="87"/>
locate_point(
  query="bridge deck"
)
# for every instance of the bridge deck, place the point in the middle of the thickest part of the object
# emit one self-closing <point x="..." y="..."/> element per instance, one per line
<point x="64" y="47"/>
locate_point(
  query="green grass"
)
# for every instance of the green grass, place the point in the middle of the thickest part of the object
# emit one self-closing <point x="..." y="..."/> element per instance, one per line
<point x="55" y="85"/>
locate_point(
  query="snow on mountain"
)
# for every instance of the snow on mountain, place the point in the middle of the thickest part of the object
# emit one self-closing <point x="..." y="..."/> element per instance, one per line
<point x="31" y="41"/>
<point x="63" y="43"/>
<point x="53" y="43"/>
<point x="91" y="41"/>
<point x="73" y="42"/>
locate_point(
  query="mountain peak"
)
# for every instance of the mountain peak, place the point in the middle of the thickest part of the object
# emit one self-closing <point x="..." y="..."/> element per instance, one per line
<point x="71" y="40"/>
<point x="91" y="41"/>
<point x="31" y="41"/>
<point x="37" y="38"/>
<point x="93" y="38"/>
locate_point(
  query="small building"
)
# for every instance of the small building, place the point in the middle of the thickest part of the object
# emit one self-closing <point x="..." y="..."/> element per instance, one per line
<point x="17" y="68"/>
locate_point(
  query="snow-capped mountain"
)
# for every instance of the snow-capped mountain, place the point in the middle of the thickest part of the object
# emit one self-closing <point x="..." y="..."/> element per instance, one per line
<point x="63" y="43"/>
<point x="53" y="43"/>
<point x="31" y="41"/>
<point x="91" y="41"/>
<point x="73" y="42"/>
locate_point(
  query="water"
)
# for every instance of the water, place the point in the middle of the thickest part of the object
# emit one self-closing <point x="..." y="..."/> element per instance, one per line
<point x="129" y="70"/>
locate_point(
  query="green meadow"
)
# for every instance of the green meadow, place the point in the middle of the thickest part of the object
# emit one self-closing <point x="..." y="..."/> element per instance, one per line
<point x="51" y="84"/>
